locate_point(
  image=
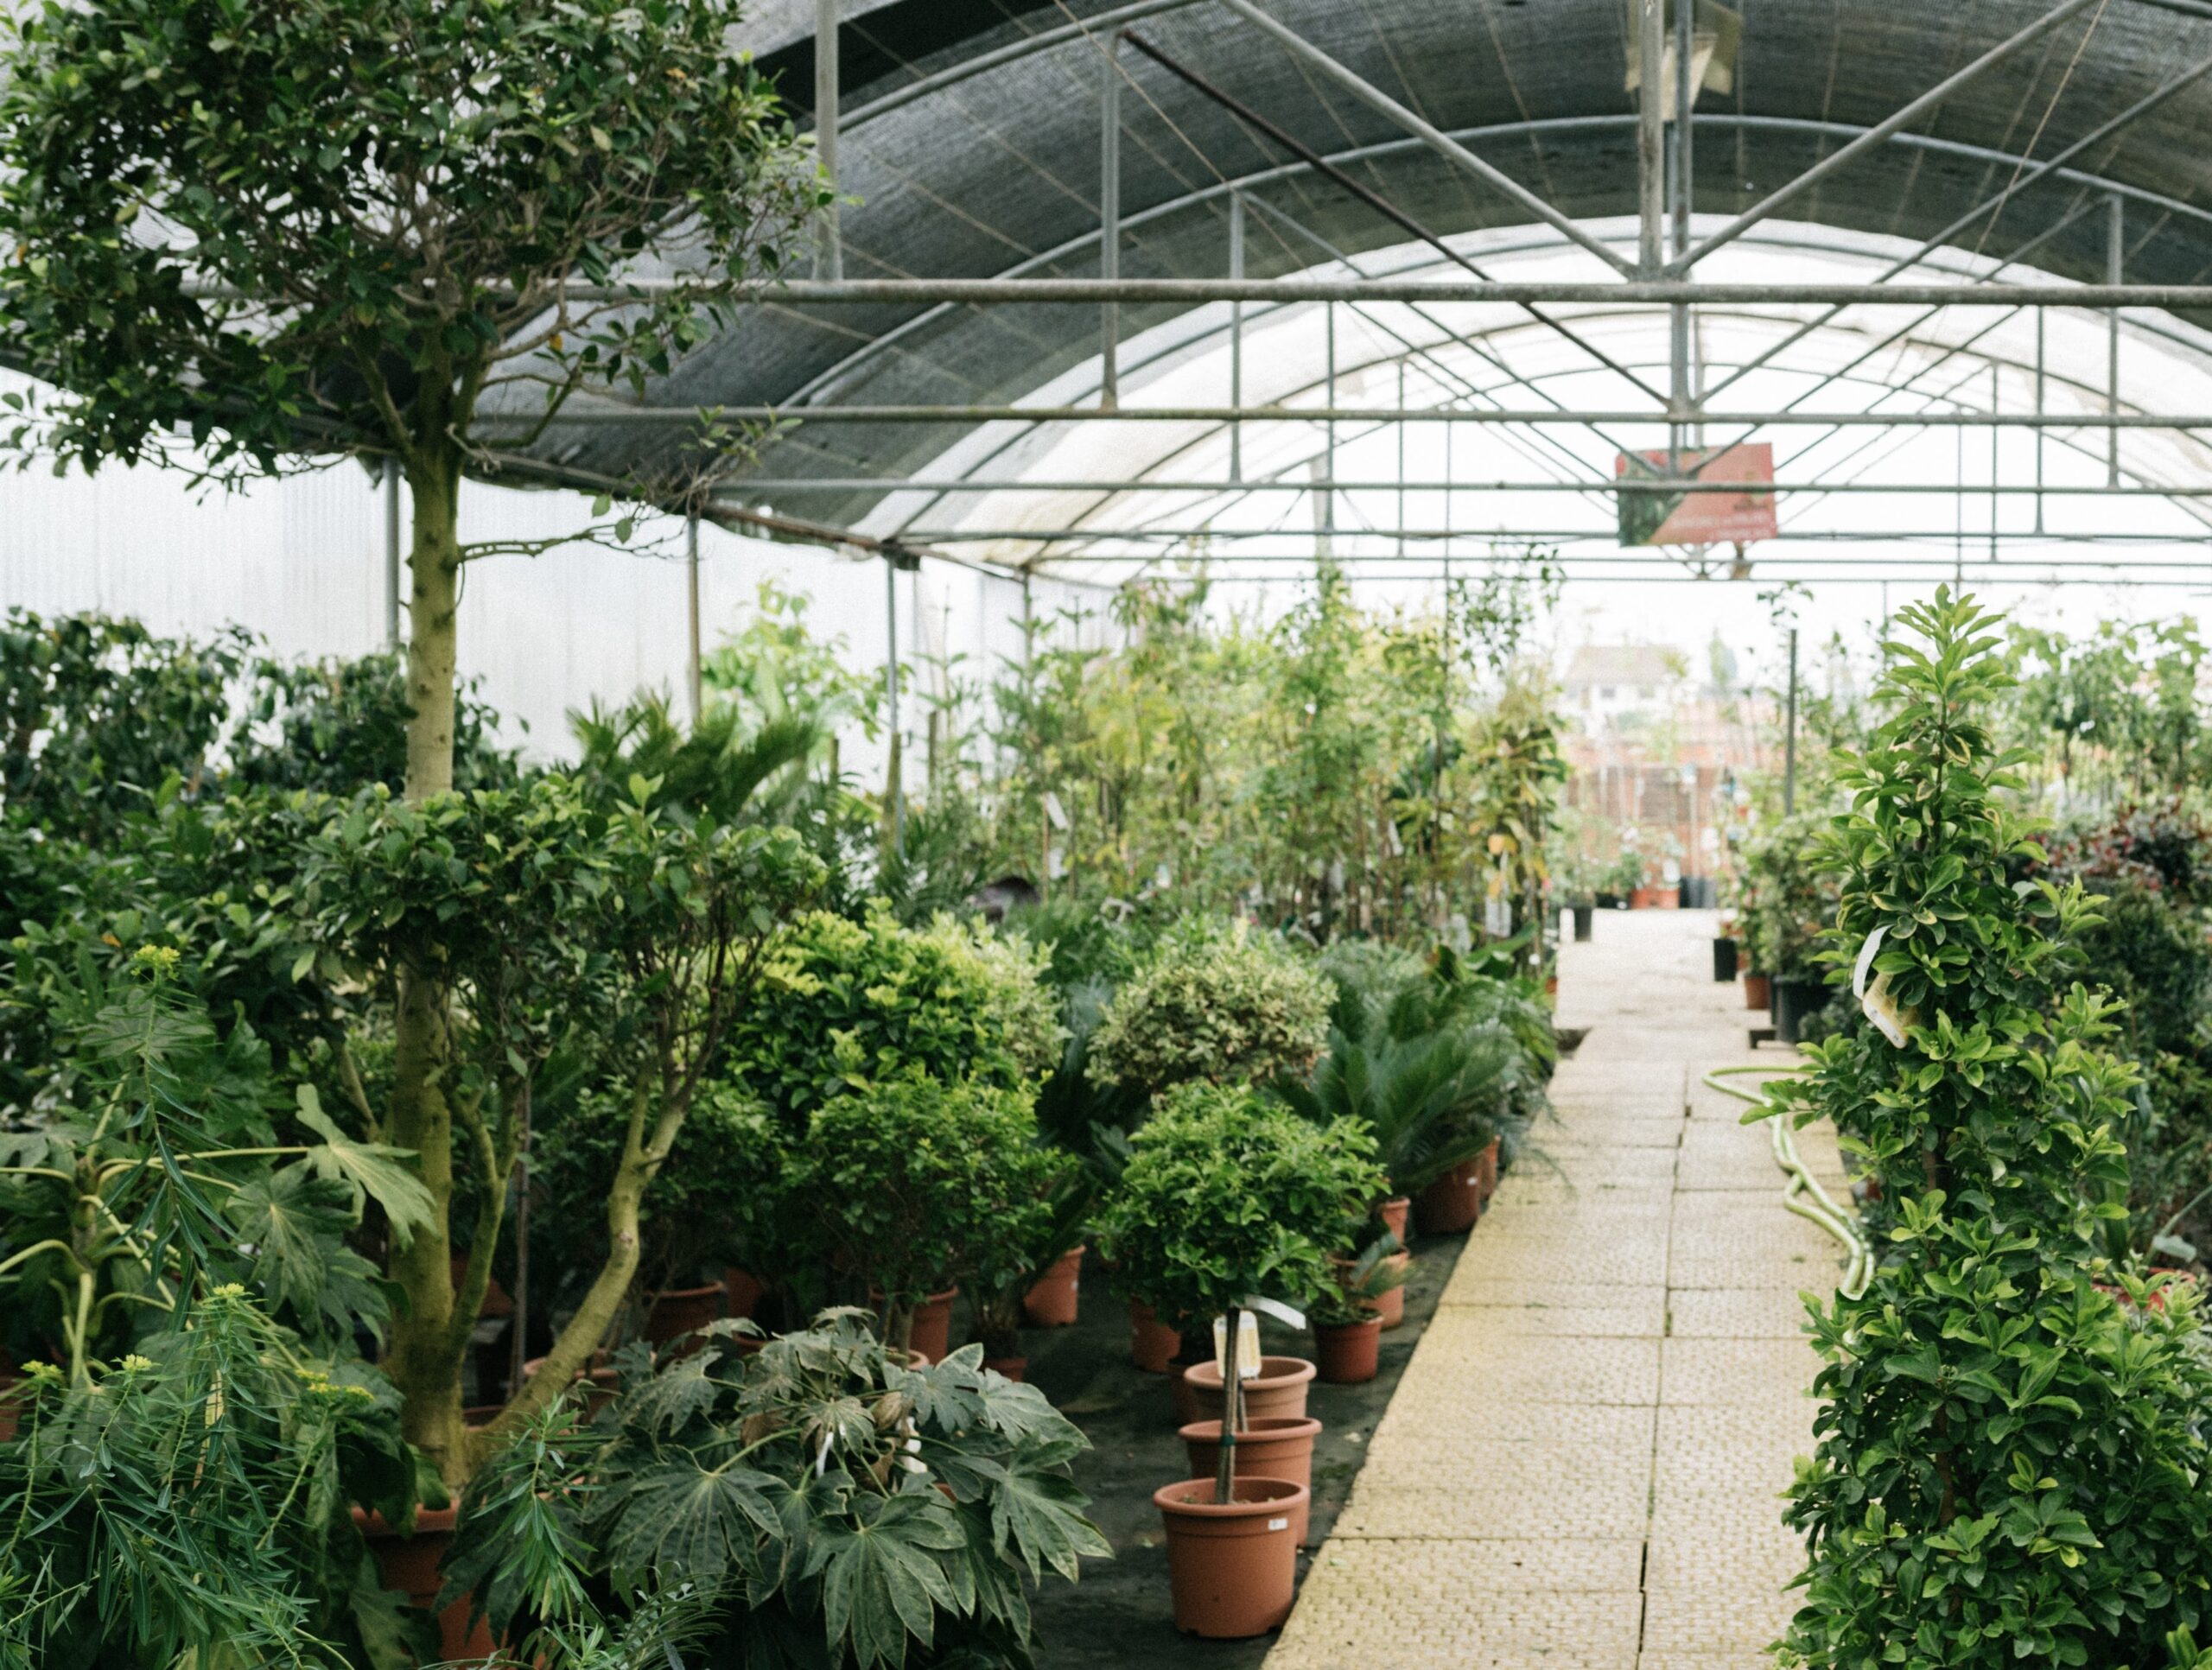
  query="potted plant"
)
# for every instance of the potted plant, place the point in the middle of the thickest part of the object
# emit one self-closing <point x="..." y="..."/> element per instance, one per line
<point x="1576" y="879"/>
<point x="1009" y="1266"/>
<point x="909" y="1183"/>
<point x="1348" y="1316"/>
<point x="1626" y="874"/>
<point x="1229" y="1197"/>
<point x="820" y="1500"/>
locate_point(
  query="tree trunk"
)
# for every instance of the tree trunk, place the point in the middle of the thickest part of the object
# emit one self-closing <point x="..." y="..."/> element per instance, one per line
<point x="423" y="1363"/>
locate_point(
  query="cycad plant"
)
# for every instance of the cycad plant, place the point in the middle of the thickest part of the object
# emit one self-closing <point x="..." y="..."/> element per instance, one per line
<point x="2012" y="1457"/>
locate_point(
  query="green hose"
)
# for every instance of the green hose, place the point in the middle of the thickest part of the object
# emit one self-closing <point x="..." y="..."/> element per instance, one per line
<point x="1801" y="1193"/>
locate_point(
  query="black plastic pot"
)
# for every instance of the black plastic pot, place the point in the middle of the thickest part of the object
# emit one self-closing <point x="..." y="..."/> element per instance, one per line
<point x="1724" y="959"/>
<point x="1794" y="1000"/>
<point x="1609" y="901"/>
<point x="1583" y="913"/>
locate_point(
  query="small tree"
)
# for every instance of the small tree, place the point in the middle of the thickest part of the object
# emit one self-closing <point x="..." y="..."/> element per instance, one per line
<point x="2012" y="1460"/>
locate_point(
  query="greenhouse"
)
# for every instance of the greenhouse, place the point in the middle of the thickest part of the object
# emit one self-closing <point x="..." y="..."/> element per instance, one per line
<point x="912" y="835"/>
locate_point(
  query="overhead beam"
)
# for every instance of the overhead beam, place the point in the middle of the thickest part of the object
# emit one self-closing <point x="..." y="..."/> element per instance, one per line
<point x="957" y="488"/>
<point x="1430" y="134"/>
<point x="799" y="416"/>
<point x="1894" y="122"/>
<point x="1191" y="292"/>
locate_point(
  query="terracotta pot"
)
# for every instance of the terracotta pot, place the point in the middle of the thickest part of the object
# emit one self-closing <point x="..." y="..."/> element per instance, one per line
<point x="1277" y="1389"/>
<point x="1395" y="1214"/>
<point x="1758" y="992"/>
<point x="1450" y="1205"/>
<point x="1551" y="986"/>
<point x="409" y="1564"/>
<point x="933" y="1334"/>
<point x="1350" y="1353"/>
<point x="602" y="1381"/>
<point x="1232" y="1566"/>
<point x="10" y="1398"/>
<point x="496" y="1300"/>
<point x="1012" y="1368"/>
<point x="1051" y="1302"/>
<point x="1276" y="1448"/>
<point x="742" y="1291"/>
<point x="1486" y="1171"/>
<point x="1390" y="1307"/>
<point x="1152" y="1343"/>
<point x="2156" y="1298"/>
<point x="675" y="1312"/>
<point x="1667" y="898"/>
<point x="1643" y="898"/>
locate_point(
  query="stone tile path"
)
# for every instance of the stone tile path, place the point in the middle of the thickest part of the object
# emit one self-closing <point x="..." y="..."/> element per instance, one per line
<point x="1580" y="1469"/>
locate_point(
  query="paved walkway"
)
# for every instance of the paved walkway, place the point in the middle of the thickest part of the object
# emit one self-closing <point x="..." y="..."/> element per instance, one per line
<point x="1580" y="1469"/>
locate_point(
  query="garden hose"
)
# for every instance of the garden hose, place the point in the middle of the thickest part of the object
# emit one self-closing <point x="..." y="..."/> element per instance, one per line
<point x="1801" y="1193"/>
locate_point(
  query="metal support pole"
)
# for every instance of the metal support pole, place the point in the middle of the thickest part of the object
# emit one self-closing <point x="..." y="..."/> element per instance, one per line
<point x="1790" y="736"/>
<point x="1237" y="335"/>
<point x="1650" y="137"/>
<point x="2040" y="316"/>
<point x="1995" y="393"/>
<point x="1685" y="98"/>
<point x="1402" y="461"/>
<point x="1110" y="218"/>
<point x="2115" y="257"/>
<point x="825" y="129"/>
<point x="1329" y="470"/>
<point x="391" y="554"/>
<point x="694" y="681"/>
<point x="894" y="769"/>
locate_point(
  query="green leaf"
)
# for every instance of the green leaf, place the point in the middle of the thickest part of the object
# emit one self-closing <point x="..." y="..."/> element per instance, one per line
<point x="373" y="1168"/>
<point x="881" y="1582"/>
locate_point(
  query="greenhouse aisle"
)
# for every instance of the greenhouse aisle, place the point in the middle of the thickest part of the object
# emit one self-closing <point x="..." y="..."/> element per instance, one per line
<point x="1580" y="1469"/>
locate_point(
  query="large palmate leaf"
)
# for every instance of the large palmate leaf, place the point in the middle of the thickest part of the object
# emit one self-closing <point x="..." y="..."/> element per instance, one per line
<point x="294" y="1225"/>
<point x="684" y="1517"/>
<point x="1036" y="1510"/>
<point x="372" y="1168"/>
<point x="881" y="1581"/>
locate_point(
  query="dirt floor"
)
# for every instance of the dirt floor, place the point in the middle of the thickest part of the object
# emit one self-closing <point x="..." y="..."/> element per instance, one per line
<point x="1119" y="1616"/>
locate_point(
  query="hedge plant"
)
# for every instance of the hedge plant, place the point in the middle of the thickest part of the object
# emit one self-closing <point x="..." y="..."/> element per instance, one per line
<point x="2012" y="1454"/>
<point x="1216" y="1002"/>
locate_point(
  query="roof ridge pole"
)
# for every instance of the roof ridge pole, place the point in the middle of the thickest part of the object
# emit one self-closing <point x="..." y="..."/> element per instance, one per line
<point x="1896" y="122"/>
<point x="1110" y="218"/>
<point x="1236" y="336"/>
<point x="1433" y="136"/>
<point x="832" y="257"/>
<point x="2115" y="258"/>
<point x="1650" y="138"/>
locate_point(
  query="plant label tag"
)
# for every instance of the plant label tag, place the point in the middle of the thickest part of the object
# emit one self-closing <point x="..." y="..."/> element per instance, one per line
<point x="1247" y="1345"/>
<point x="1278" y="1525"/>
<point x="1283" y="1313"/>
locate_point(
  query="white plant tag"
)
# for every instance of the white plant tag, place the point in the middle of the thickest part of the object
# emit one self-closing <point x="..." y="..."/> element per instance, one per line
<point x="1247" y="1345"/>
<point x="1874" y="999"/>
<point x="1278" y="1525"/>
<point x="1275" y="1308"/>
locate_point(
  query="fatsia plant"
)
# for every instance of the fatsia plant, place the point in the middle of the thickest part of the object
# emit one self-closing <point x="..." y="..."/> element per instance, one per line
<point x="188" y="1504"/>
<point x="165" y="1172"/>
<point x="2013" y="1442"/>
<point x="837" y="1507"/>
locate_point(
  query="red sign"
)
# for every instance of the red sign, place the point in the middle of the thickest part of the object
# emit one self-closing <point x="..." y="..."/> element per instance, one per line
<point x="1668" y="513"/>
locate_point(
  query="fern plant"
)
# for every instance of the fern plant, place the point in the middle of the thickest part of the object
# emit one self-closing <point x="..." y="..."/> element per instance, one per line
<point x="2012" y="1460"/>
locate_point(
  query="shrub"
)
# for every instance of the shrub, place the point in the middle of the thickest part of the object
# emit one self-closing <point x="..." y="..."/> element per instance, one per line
<point x="799" y="1494"/>
<point x="906" y="1182"/>
<point x="1214" y="1002"/>
<point x="842" y="1004"/>
<point x="2010" y="1461"/>
<point x="1227" y="1195"/>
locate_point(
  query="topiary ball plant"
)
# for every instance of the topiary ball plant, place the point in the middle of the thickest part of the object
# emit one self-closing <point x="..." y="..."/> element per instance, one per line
<point x="1214" y="1002"/>
<point x="909" y="1183"/>
<point x="2012" y="1454"/>
<point x="1229" y="1197"/>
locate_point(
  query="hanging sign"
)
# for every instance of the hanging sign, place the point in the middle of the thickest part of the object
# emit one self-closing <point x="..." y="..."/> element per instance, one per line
<point x="1664" y="514"/>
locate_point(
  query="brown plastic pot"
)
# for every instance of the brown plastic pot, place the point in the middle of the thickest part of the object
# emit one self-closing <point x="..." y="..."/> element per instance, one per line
<point x="1395" y="1214"/>
<point x="11" y="1398"/>
<point x="1277" y="1389"/>
<point x="1347" y="1354"/>
<point x="1759" y="991"/>
<point x="675" y="1312"/>
<point x="1051" y="1302"/>
<point x="1486" y="1171"/>
<point x="1450" y="1205"/>
<point x="409" y="1564"/>
<point x="1012" y="1368"/>
<point x="1280" y="1447"/>
<point x="933" y="1334"/>
<point x="1232" y="1566"/>
<point x="1643" y="898"/>
<point x="742" y="1291"/>
<point x="1152" y="1343"/>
